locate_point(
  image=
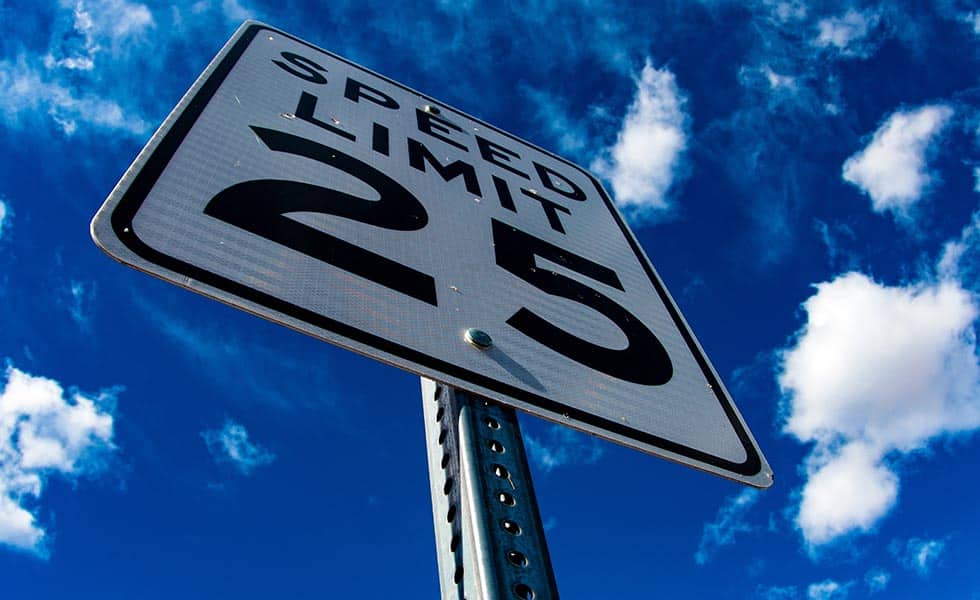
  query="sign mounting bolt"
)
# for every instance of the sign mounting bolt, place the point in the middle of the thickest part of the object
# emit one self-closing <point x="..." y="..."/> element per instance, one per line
<point x="478" y="338"/>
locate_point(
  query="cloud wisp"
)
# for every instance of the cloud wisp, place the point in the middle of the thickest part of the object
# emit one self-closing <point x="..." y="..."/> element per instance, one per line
<point x="4" y="214"/>
<point x="96" y="25"/>
<point x="561" y="446"/>
<point x="647" y="156"/>
<point x="73" y="83"/>
<point x="571" y="135"/>
<point x="972" y="20"/>
<point x="828" y="590"/>
<point x="777" y="592"/>
<point x="230" y="445"/>
<point x="918" y="555"/>
<point x="893" y="168"/>
<point x="876" y="372"/>
<point x="960" y="258"/>
<point x="26" y="93"/>
<point x="45" y="433"/>
<point x="877" y="580"/>
<point x="729" y="522"/>
<point x="257" y="371"/>
<point x="847" y="34"/>
<point x="79" y="301"/>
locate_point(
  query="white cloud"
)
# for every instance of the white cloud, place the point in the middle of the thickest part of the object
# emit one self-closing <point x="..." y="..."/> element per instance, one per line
<point x="80" y="50"/>
<point x="892" y="168"/>
<point x="18" y="526"/>
<point x="562" y="446"/>
<point x="828" y="590"/>
<point x="72" y="63"/>
<point x="25" y="93"/>
<point x="643" y="162"/>
<point x="918" y="555"/>
<point x="98" y="24"/>
<point x="846" y="33"/>
<point x="69" y="82"/>
<point x="230" y="444"/>
<point x="877" y="580"/>
<point x="973" y="20"/>
<point x="116" y="19"/>
<point x="852" y="366"/>
<point x="44" y="433"/>
<point x="776" y="80"/>
<point x="729" y="521"/>
<point x="877" y="371"/>
<point x="853" y="472"/>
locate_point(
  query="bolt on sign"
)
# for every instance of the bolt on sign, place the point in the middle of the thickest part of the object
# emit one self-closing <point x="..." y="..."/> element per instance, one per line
<point x="303" y="188"/>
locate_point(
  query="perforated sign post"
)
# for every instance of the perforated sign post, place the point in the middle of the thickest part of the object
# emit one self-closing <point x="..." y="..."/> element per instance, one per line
<point x="303" y="188"/>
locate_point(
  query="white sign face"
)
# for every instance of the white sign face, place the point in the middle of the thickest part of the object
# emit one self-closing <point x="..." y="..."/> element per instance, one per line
<point x="303" y="188"/>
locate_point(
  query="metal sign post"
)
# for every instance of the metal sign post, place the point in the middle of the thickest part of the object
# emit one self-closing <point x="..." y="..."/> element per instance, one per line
<point x="489" y="539"/>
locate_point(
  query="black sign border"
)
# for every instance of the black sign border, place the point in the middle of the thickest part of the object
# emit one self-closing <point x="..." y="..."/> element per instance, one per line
<point x="144" y="180"/>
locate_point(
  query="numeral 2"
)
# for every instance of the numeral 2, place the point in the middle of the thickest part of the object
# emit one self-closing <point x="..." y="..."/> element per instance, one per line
<point x="260" y="206"/>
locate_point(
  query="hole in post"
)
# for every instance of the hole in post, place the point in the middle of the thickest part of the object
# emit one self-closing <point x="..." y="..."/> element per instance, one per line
<point x="445" y="460"/>
<point x="442" y="436"/>
<point x="516" y="558"/>
<point x="458" y="576"/>
<point x="496" y="446"/>
<point x="451" y="515"/>
<point x="440" y="413"/>
<point x="501" y="471"/>
<point x="523" y="591"/>
<point x="510" y="527"/>
<point x="454" y="543"/>
<point x="492" y="423"/>
<point x="448" y="487"/>
<point x="506" y="499"/>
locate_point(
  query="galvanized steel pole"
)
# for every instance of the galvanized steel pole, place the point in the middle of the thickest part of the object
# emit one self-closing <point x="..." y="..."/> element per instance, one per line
<point x="489" y="540"/>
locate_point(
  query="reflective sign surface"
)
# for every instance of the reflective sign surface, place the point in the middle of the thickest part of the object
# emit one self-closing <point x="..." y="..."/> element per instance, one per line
<point x="300" y="187"/>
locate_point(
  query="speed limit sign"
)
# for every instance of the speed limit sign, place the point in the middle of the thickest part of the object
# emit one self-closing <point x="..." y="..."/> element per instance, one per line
<point x="298" y="186"/>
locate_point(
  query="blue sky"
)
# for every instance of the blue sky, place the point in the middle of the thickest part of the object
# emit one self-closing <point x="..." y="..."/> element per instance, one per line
<point x="804" y="175"/>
